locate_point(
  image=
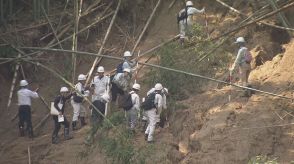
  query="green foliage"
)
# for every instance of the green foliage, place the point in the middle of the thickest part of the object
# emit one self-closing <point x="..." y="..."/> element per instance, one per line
<point x="187" y="59"/>
<point x="262" y="160"/>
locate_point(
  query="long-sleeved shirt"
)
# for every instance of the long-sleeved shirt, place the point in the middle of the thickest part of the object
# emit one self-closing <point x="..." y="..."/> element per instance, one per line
<point x="100" y="86"/>
<point x="122" y="81"/>
<point x="240" y="59"/>
<point x="190" y="12"/>
<point x="24" y="96"/>
<point x="129" y="64"/>
<point x="135" y="100"/>
<point x="59" y="102"/>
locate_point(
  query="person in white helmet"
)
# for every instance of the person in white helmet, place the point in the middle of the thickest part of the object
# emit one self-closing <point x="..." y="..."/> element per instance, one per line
<point x="99" y="84"/>
<point x="132" y="113"/>
<point x="151" y="114"/>
<point x="242" y="63"/>
<point x="120" y="83"/>
<point x="24" y="96"/>
<point x="79" y="111"/>
<point x="127" y="63"/>
<point x="185" y="18"/>
<point x="163" y="93"/>
<point x="59" y="104"/>
<point x="97" y="115"/>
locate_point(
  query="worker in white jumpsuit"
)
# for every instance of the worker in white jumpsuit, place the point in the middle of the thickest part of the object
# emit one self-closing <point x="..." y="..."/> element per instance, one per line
<point x="132" y="114"/>
<point x="151" y="114"/>
<point x="186" y="23"/>
<point x="79" y="110"/>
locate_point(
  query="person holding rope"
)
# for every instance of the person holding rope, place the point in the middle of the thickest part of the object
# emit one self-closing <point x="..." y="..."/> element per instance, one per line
<point x="185" y="20"/>
<point x="242" y="62"/>
<point x="59" y="104"/>
<point x="24" y="111"/>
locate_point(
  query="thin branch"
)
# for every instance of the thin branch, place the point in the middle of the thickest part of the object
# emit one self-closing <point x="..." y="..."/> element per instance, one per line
<point x="103" y="43"/>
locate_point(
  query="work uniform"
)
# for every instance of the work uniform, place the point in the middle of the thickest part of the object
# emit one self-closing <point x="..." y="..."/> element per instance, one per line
<point x="59" y="104"/>
<point x="100" y="86"/>
<point x="152" y="117"/>
<point x="24" y="111"/>
<point x="164" y="106"/>
<point x="242" y="65"/>
<point x="132" y="114"/>
<point x="185" y="24"/>
<point x="120" y="84"/>
<point x="129" y="64"/>
<point x="78" y="109"/>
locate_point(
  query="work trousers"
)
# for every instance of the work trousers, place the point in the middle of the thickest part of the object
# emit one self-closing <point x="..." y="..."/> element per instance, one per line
<point x="132" y="115"/>
<point x="151" y="117"/>
<point x="114" y="91"/>
<point x="78" y="110"/>
<point x="57" y="125"/>
<point x="244" y="71"/>
<point x="24" y="114"/>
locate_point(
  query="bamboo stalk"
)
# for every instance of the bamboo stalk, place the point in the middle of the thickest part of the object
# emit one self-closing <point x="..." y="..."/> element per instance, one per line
<point x="150" y="65"/>
<point x="281" y="16"/>
<point x="54" y="32"/>
<point x="146" y="26"/>
<point x="27" y="28"/>
<point x="65" y="39"/>
<point x="29" y="155"/>
<point x="13" y="84"/>
<point x="255" y="20"/>
<point x="103" y="43"/>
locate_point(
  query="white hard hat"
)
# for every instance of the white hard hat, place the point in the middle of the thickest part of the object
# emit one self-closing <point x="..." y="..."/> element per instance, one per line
<point x="23" y="83"/>
<point x="189" y="3"/>
<point x="165" y="90"/>
<point x="127" y="53"/>
<point x="81" y="77"/>
<point x="127" y="70"/>
<point x="105" y="97"/>
<point x="240" y="40"/>
<point x="136" y="86"/>
<point x="158" y="87"/>
<point x="100" y="69"/>
<point x="63" y="89"/>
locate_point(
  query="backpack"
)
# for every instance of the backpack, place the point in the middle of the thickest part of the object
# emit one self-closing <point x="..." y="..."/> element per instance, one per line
<point x="248" y="57"/>
<point x="183" y="15"/>
<point x="119" y="68"/>
<point x="127" y="102"/>
<point x="149" y="102"/>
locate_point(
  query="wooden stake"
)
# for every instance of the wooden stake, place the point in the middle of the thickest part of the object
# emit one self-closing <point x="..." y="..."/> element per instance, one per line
<point x="103" y="43"/>
<point x="146" y="26"/>
<point x="29" y="154"/>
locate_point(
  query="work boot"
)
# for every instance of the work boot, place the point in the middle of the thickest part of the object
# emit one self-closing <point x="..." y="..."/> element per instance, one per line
<point x="74" y="125"/>
<point x="21" y="132"/>
<point x="83" y="122"/>
<point x="30" y="132"/>
<point x="66" y="134"/>
<point x="146" y="137"/>
<point x="55" y="140"/>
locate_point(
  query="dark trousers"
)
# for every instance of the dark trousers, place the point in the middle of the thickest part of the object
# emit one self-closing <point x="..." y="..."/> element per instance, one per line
<point x="57" y="125"/>
<point x="24" y="114"/>
<point x="114" y="91"/>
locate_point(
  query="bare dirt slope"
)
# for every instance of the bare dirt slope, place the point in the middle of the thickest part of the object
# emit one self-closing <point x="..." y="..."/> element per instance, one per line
<point x="210" y="130"/>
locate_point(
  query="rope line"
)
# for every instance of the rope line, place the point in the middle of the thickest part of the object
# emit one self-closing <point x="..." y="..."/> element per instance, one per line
<point x="161" y="67"/>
